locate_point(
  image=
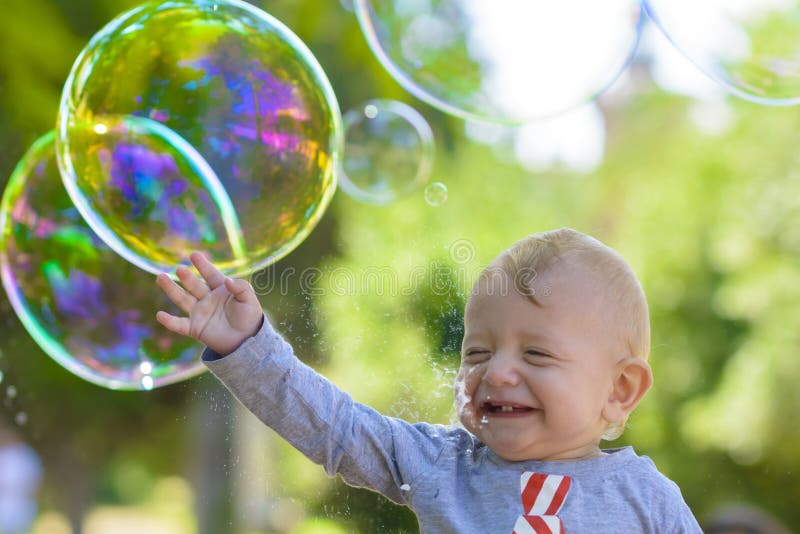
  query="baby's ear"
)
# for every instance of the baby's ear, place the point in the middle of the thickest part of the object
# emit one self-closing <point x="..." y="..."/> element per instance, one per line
<point x="632" y="379"/>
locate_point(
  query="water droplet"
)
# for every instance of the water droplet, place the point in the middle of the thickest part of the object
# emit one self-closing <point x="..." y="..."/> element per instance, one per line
<point x="11" y="392"/>
<point x="21" y="418"/>
<point x="370" y="111"/>
<point x="147" y="383"/>
<point x="405" y="487"/>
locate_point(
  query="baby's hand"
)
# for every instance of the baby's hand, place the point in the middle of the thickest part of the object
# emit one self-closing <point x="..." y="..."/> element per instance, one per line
<point x="223" y="312"/>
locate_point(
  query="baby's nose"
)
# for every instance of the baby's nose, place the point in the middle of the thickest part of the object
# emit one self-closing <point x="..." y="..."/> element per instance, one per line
<point x="502" y="371"/>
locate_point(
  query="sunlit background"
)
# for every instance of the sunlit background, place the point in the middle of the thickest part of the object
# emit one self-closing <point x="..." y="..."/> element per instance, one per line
<point x="669" y="133"/>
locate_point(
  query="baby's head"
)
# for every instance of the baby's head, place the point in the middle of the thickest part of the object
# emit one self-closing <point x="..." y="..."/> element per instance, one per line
<point x="555" y="348"/>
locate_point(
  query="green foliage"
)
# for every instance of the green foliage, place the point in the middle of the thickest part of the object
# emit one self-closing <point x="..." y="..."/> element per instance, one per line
<point x="710" y="223"/>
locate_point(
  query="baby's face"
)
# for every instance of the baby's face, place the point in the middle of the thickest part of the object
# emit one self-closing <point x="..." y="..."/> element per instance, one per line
<point x="534" y="380"/>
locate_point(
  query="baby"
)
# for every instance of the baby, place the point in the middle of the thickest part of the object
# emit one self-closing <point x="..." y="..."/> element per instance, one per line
<point x="554" y="359"/>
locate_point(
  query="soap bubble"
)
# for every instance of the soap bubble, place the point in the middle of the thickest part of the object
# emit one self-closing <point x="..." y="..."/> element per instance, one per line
<point x="388" y="151"/>
<point x="199" y="125"/>
<point x="751" y="47"/>
<point x="160" y="187"/>
<point x="88" y="308"/>
<point x="436" y="194"/>
<point x="507" y="62"/>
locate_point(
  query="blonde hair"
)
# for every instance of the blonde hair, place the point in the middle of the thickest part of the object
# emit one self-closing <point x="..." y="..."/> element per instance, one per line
<point x="526" y="260"/>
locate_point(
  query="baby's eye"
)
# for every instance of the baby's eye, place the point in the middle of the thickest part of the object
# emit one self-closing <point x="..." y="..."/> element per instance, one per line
<point x="476" y="355"/>
<point x="537" y="357"/>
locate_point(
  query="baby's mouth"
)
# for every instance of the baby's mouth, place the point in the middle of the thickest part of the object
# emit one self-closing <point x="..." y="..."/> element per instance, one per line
<point x="505" y="409"/>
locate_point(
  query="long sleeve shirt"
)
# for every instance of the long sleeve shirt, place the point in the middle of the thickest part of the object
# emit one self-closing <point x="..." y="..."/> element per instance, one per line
<point x="452" y="481"/>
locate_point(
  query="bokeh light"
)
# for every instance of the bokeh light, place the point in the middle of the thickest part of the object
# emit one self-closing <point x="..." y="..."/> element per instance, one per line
<point x="751" y="47"/>
<point x="508" y="63"/>
<point x="88" y="308"/>
<point x="389" y="151"/>
<point x="199" y="125"/>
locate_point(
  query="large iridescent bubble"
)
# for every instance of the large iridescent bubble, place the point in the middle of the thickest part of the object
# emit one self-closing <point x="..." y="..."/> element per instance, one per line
<point x="199" y="125"/>
<point x="510" y="61"/>
<point x="388" y="154"/>
<point x="88" y="308"/>
<point x="752" y="47"/>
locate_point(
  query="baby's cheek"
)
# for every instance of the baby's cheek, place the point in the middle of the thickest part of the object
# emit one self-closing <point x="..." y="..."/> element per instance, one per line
<point x="464" y="389"/>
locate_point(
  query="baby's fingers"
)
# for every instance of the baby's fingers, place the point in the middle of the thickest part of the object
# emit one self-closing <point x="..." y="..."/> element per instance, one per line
<point x="179" y="325"/>
<point x="192" y="284"/>
<point x="213" y="277"/>
<point x="176" y="293"/>
<point x="242" y="291"/>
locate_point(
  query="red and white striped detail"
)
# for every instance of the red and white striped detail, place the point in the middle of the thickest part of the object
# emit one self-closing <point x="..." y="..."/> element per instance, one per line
<point x="543" y="494"/>
<point x="542" y="498"/>
<point x="538" y="524"/>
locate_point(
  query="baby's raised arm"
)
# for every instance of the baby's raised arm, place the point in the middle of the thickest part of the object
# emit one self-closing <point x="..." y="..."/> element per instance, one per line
<point x="222" y="312"/>
<point x="310" y="412"/>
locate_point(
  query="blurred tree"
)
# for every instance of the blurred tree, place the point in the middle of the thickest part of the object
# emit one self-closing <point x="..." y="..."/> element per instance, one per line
<point x="710" y="223"/>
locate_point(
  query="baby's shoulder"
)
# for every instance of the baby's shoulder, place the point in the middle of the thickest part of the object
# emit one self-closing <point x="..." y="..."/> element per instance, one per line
<point x="640" y="477"/>
<point x="652" y="491"/>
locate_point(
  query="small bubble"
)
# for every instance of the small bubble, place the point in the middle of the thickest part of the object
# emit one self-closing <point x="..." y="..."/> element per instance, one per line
<point x="147" y="383"/>
<point x="21" y="418"/>
<point x="389" y="152"/>
<point x="436" y="194"/>
<point x="11" y="392"/>
<point x="146" y="368"/>
<point x="405" y="487"/>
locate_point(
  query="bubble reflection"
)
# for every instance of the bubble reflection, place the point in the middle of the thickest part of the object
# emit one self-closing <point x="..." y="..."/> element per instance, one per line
<point x="750" y="47"/>
<point x="508" y="62"/>
<point x="88" y="308"/>
<point x="226" y="134"/>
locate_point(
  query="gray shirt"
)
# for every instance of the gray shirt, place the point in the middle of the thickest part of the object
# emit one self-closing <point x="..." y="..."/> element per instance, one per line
<point x="453" y="482"/>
